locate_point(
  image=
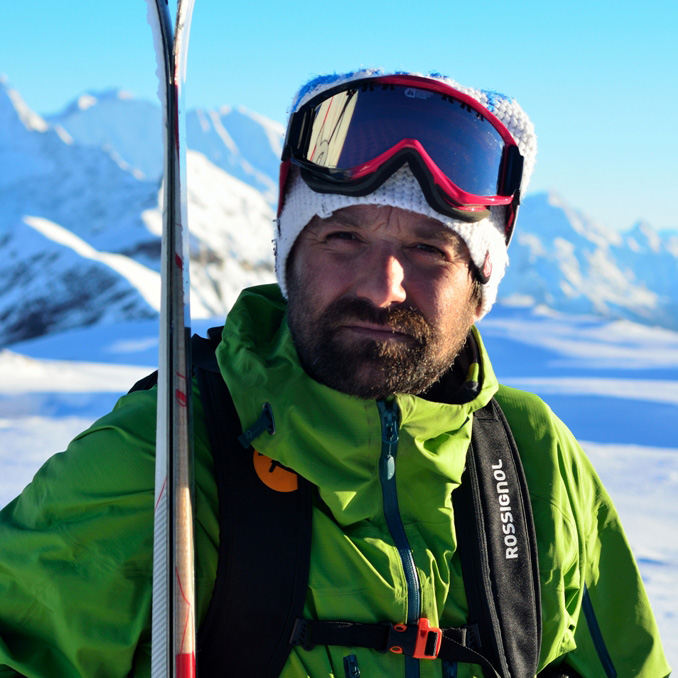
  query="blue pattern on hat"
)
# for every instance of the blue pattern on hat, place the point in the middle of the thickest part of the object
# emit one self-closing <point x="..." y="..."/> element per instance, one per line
<point x="493" y="98"/>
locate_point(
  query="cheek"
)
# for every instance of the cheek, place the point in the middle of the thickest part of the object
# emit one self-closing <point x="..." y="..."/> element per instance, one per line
<point x="317" y="283"/>
<point x="444" y="302"/>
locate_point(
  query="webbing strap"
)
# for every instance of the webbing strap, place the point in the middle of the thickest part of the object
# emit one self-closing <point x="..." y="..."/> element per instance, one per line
<point x="451" y="645"/>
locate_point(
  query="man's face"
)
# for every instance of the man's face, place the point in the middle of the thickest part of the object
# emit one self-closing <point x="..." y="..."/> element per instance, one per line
<point x="380" y="300"/>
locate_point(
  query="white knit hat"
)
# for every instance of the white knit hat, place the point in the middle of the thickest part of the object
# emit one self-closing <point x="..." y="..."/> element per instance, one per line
<point x="484" y="239"/>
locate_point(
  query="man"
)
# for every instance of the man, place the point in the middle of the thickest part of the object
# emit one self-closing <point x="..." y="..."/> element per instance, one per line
<point x="398" y="199"/>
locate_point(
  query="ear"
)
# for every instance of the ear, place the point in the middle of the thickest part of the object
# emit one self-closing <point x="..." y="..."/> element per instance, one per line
<point x="476" y="293"/>
<point x="478" y="312"/>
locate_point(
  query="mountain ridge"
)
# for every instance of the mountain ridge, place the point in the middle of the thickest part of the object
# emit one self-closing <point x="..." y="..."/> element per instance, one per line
<point x="94" y="170"/>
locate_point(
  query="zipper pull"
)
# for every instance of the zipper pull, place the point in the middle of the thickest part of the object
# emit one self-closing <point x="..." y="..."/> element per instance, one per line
<point x="389" y="437"/>
<point x="389" y="421"/>
<point x="351" y="669"/>
<point x="264" y="423"/>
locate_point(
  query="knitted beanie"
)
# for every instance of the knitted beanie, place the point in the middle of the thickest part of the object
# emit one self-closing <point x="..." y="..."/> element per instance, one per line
<point x="484" y="239"/>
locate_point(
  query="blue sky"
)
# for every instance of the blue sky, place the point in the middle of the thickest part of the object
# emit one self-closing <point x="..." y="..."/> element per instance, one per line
<point x="598" y="78"/>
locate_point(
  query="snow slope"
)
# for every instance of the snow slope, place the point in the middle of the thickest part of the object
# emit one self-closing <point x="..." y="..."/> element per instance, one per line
<point x="115" y="121"/>
<point x="614" y="383"/>
<point x="244" y="144"/>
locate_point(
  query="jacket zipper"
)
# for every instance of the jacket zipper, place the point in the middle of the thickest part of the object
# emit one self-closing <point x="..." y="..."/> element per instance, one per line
<point x="389" y="415"/>
<point x="450" y="670"/>
<point x="351" y="669"/>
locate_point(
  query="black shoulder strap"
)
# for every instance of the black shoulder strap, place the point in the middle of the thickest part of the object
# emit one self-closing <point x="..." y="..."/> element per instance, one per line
<point x="145" y="383"/>
<point x="498" y="547"/>
<point x="259" y="594"/>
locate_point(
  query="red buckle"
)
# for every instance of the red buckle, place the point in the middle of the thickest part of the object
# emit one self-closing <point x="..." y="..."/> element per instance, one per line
<point x="427" y="640"/>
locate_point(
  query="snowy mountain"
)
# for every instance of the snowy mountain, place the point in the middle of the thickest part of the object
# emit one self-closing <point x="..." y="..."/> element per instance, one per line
<point x="563" y="260"/>
<point x="80" y="223"/>
<point x="244" y="144"/>
<point x="118" y="123"/>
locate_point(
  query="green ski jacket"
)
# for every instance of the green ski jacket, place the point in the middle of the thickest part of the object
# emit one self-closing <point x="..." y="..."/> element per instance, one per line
<point x="76" y="545"/>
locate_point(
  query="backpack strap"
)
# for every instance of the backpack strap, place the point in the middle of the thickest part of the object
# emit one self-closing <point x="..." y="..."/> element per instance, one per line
<point x="145" y="383"/>
<point x="498" y="547"/>
<point x="259" y="594"/>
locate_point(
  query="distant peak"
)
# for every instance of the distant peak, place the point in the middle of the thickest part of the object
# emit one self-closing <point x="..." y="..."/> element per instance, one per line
<point x="110" y="93"/>
<point x="29" y="119"/>
<point x="642" y="234"/>
<point x="554" y="198"/>
<point x="85" y="101"/>
<point x="643" y="226"/>
<point x="548" y="197"/>
<point x="93" y="98"/>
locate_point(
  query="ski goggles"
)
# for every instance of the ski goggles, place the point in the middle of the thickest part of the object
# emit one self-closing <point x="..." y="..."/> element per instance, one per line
<point x="351" y="138"/>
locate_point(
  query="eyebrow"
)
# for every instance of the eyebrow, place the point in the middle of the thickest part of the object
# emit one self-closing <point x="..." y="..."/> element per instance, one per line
<point x="433" y="230"/>
<point x="427" y="228"/>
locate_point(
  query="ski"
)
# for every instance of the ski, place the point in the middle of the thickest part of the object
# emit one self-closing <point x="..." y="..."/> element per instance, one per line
<point x="173" y="603"/>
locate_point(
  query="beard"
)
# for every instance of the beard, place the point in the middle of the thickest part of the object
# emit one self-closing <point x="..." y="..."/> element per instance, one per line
<point x="370" y="368"/>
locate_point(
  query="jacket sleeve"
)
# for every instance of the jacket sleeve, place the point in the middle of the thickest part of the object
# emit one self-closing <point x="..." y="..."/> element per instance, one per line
<point x="616" y="633"/>
<point x="76" y="554"/>
<point x="596" y="615"/>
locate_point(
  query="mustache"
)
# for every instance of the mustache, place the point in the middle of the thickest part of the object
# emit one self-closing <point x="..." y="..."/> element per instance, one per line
<point x="401" y="319"/>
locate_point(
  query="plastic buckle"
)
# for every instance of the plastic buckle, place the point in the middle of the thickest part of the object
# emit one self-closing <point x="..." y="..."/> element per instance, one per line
<point x="301" y="634"/>
<point x="427" y="639"/>
<point x="472" y="636"/>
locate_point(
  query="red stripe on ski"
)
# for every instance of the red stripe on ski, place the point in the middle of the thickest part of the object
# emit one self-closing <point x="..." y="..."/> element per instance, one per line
<point x="186" y="665"/>
<point x="182" y="398"/>
<point x="181" y="392"/>
<point x="162" y="491"/>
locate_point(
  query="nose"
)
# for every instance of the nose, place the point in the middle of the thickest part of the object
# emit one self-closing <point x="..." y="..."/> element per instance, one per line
<point x="381" y="279"/>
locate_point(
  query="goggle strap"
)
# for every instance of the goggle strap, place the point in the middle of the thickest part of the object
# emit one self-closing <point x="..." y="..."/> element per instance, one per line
<point x="513" y="171"/>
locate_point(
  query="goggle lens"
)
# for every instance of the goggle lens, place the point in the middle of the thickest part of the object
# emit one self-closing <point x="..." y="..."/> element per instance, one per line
<point x="353" y="127"/>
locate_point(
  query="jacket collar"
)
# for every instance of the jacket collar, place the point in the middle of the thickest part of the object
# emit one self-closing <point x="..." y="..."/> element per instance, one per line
<point x="259" y="363"/>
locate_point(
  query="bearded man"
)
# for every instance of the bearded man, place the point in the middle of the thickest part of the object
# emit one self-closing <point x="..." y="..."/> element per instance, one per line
<point x="399" y="197"/>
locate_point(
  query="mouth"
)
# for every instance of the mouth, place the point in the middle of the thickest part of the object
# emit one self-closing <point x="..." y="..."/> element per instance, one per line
<point x="374" y="331"/>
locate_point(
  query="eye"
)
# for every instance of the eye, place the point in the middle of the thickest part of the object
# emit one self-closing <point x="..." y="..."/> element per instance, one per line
<point x="428" y="249"/>
<point x="341" y="236"/>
